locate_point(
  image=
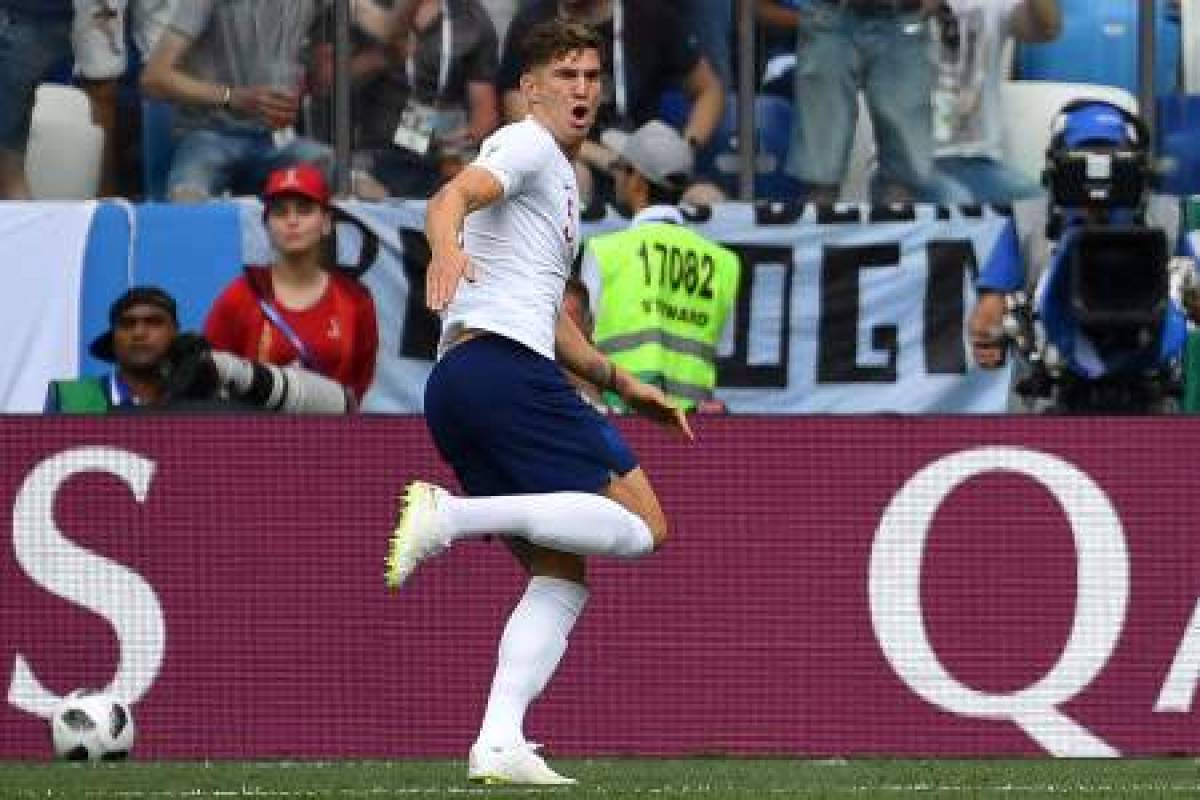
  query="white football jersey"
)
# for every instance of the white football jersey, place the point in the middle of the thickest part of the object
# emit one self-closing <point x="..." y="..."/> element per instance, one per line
<point x="521" y="247"/>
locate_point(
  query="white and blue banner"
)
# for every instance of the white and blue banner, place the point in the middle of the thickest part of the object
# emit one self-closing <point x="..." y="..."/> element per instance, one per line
<point x="861" y="311"/>
<point x="849" y="311"/>
<point x="43" y="245"/>
<point x="838" y="313"/>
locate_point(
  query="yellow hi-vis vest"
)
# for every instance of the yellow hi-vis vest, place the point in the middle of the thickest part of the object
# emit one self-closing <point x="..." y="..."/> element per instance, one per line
<point x="665" y="294"/>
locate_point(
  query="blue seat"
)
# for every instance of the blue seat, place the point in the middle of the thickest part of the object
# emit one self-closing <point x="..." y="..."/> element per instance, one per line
<point x="1099" y="44"/>
<point x="719" y="161"/>
<point x="1179" y="143"/>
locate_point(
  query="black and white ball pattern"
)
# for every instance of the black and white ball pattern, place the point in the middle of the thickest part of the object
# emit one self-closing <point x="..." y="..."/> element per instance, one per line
<point x="90" y="725"/>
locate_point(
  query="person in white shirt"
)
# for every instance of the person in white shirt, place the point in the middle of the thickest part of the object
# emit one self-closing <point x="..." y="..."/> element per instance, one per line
<point x="970" y="39"/>
<point x="538" y="465"/>
<point x="98" y="39"/>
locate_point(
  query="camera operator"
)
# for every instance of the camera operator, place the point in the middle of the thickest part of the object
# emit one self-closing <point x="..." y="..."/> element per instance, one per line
<point x="156" y="367"/>
<point x="1103" y="332"/>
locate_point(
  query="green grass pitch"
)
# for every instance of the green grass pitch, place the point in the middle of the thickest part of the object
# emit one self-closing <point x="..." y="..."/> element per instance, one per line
<point x="611" y="778"/>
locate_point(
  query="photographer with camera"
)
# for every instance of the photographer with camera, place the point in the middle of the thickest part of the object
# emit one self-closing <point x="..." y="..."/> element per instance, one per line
<point x="1102" y="332"/>
<point x="156" y="367"/>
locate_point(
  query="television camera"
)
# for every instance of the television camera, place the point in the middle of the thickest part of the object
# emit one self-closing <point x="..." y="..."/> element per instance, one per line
<point x="1100" y="333"/>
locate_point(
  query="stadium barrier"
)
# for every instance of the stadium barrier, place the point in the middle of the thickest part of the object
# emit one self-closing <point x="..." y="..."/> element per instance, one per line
<point x="848" y="310"/>
<point x="835" y="586"/>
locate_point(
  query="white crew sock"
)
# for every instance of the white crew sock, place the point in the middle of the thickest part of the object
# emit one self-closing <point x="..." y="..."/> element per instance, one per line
<point x="533" y="642"/>
<point x="570" y="522"/>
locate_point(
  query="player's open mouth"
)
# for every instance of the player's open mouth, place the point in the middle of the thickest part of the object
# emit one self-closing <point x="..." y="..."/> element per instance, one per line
<point x="579" y="112"/>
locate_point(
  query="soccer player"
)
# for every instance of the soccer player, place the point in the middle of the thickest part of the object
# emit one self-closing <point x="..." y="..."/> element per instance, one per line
<point x="538" y="465"/>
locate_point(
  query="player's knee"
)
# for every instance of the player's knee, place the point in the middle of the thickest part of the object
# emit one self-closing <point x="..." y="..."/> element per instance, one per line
<point x="633" y="491"/>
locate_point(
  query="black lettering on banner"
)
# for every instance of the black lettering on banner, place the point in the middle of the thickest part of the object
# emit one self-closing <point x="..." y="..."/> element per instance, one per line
<point x="421" y="328"/>
<point x="368" y="251"/>
<point x="736" y="371"/>
<point x="778" y="212"/>
<point x="837" y="328"/>
<point x="950" y="261"/>
<point x="897" y="212"/>
<point x="790" y="212"/>
<point x="829" y="214"/>
<point x="695" y="214"/>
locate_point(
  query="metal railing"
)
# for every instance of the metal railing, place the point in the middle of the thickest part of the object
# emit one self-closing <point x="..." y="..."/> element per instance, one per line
<point x="1147" y="58"/>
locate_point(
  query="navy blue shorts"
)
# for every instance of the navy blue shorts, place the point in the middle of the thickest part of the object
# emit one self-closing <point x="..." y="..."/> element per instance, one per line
<point x="508" y="422"/>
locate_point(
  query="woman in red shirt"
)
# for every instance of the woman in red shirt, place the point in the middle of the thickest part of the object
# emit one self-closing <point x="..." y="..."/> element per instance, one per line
<point x="300" y="309"/>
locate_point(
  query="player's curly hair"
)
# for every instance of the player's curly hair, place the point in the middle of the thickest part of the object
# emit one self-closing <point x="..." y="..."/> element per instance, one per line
<point x="555" y="38"/>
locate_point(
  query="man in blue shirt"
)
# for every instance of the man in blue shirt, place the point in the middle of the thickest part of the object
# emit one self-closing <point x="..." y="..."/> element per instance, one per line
<point x="34" y="36"/>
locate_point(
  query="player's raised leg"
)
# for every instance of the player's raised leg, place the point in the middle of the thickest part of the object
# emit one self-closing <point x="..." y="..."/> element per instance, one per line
<point x="584" y="524"/>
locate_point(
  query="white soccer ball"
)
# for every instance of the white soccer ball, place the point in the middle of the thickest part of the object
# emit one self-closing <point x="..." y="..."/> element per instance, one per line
<point x="90" y="725"/>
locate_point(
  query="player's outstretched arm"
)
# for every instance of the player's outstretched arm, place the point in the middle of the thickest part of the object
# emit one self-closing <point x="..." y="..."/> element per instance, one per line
<point x="472" y="189"/>
<point x="578" y="355"/>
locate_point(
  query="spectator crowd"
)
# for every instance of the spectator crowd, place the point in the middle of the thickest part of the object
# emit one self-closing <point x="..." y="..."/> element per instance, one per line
<point x="248" y="86"/>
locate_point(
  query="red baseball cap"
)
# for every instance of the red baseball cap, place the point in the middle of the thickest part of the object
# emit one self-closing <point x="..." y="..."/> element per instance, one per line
<point x="302" y="179"/>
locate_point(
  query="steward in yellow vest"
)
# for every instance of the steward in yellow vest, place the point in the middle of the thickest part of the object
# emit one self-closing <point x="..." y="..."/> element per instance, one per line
<point x="662" y="291"/>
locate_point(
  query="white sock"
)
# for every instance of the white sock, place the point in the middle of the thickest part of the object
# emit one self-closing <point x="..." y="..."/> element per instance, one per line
<point x="533" y="642"/>
<point x="570" y="522"/>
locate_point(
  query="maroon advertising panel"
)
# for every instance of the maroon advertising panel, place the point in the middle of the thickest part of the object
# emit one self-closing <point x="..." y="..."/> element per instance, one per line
<point x="834" y="586"/>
